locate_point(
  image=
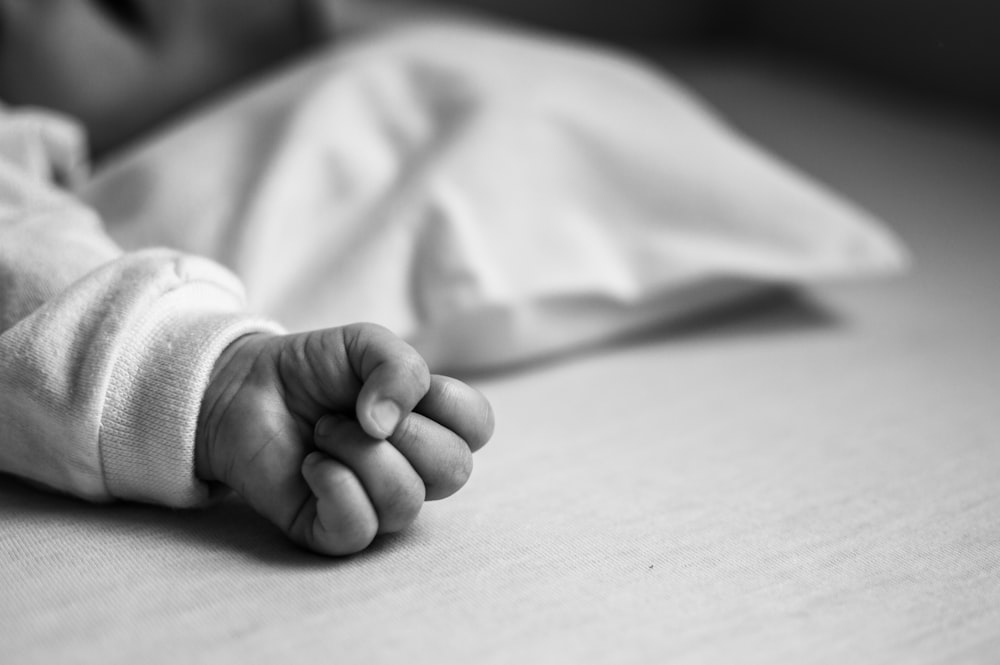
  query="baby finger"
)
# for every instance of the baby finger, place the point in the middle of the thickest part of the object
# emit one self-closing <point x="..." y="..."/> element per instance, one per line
<point x="441" y="457"/>
<point x="339" y="519"/>
<point x="459" y="407"/>
<point x="394" y="488"/>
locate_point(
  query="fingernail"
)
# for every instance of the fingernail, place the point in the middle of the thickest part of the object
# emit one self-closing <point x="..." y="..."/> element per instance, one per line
<point x="385" y="413"/>
<point x="315" y="457"/>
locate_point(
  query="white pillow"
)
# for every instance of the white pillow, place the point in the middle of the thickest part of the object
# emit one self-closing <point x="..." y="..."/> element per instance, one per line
<point x="490" y="195"/>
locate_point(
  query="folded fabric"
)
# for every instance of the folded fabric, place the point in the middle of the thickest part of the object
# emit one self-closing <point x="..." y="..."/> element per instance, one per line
<point x="493" y="196"/>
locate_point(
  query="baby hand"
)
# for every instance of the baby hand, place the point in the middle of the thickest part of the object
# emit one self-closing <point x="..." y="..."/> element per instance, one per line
<point x="337" y="435"/>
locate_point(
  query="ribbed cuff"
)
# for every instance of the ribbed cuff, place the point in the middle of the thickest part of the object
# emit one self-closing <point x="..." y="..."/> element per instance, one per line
<point x="155" y="392"/>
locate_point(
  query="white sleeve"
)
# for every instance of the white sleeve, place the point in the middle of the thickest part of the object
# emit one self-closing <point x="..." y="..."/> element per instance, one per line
<point x="104" y="356"/>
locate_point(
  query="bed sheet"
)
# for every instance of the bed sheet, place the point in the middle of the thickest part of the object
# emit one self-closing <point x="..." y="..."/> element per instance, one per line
<point x="811" y="478"/>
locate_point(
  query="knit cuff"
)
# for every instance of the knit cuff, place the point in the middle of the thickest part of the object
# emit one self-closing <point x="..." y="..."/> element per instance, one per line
<point x="155" y="392"/>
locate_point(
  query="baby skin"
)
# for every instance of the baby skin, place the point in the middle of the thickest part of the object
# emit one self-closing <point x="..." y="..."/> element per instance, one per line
<point x="337" y="435"/>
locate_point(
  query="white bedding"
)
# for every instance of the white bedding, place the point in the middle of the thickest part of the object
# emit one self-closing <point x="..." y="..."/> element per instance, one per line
<point x="492" y="195"/>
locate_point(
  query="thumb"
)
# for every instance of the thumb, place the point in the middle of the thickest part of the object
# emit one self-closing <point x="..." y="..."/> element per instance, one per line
<point x="394" y="377"/>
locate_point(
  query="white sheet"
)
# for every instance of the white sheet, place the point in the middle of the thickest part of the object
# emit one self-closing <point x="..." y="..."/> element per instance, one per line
<point x="491" y="195"/>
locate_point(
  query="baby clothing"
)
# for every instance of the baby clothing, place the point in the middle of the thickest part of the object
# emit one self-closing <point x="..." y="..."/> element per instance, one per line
<point x="104" y="355"/>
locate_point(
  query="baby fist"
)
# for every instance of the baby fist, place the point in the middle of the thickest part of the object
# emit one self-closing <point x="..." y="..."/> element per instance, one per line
<point x="337" y="435"/>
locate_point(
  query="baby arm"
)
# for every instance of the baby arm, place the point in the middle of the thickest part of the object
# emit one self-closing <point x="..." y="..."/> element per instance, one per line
<point x="138" y="376"/>
<point x="337" y="435"/>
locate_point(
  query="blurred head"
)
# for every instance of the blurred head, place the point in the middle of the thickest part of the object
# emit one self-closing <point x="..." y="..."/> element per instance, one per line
<point x="122" y="66"/>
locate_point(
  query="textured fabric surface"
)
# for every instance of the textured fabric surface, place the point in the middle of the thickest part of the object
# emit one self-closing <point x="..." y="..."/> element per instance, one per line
<point x="531" y="196"/>
<point x="809" y="480"/>
<point x="103" y="355"/>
